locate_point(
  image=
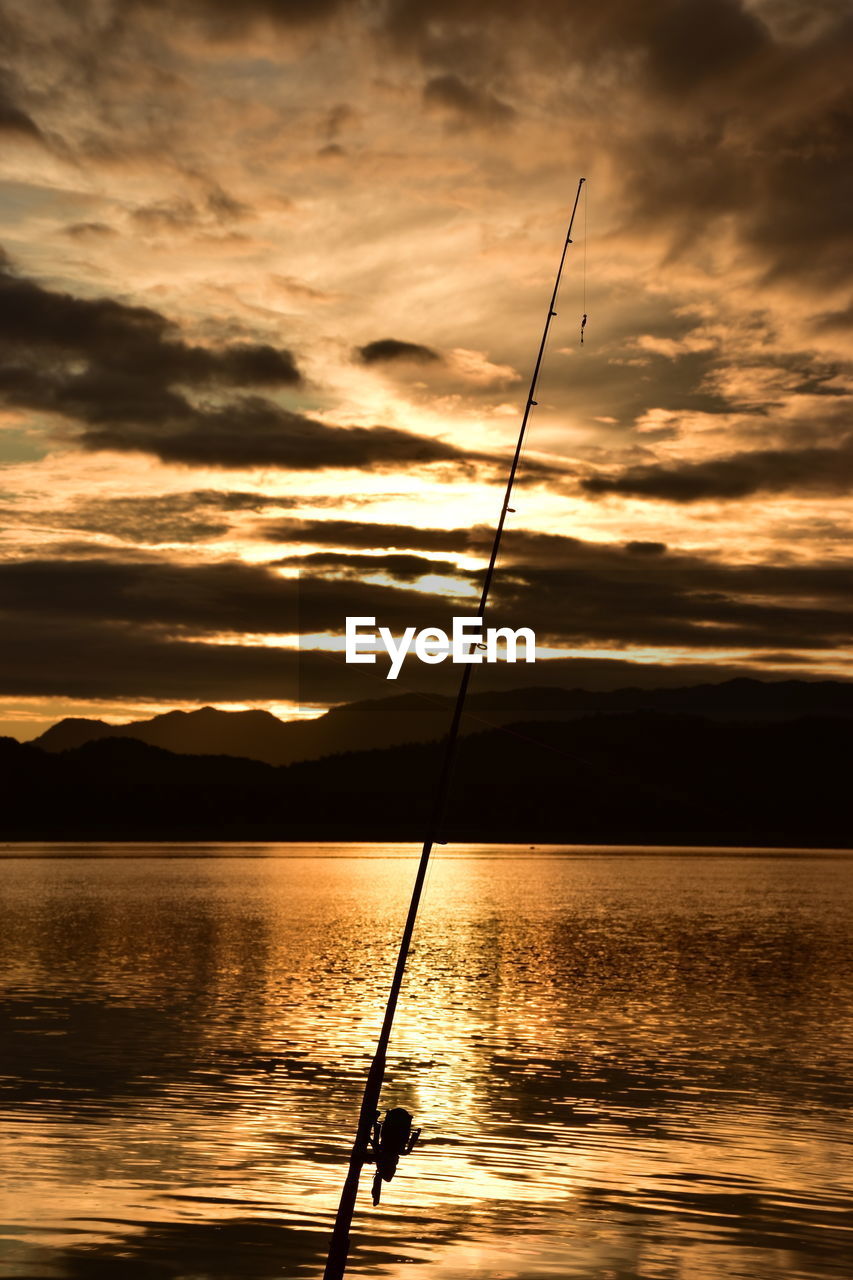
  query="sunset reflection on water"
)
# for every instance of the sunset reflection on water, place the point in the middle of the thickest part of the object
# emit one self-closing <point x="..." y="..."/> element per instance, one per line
<point x="624" y="1066"/>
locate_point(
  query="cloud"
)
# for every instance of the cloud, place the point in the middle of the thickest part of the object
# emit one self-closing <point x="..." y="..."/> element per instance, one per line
<point x="465" y="103"/>
<point x="253" y="432"/>
<point x="180" y="215"/>
<point x="403" y="568"/>
<point x="762" y="147"/>
<point x="474" y="540"/>
<point x="94" y="660"/>
<point x="677" y="45"/>
<point x="193" y="516"/>
<point x="364" y="533"/>
<point x="135" y="341"/>
<point x="638" y="593"/>
<point x="127" y="401"/>
<point x="145" y="623"/>
<point x="678" y="607"/>
<point x="475" y="367"/>
<point x="89" y="230"/>
<point x="691" y="42"/>
<point x="646" y="548"/>
<point x="718" y="113"/>
<point x="86" y="661"/>
<point x="841" y="320"/>
<point x="199" y="598"/>
<point x="389" y="349"/>
<point x="808" y="470"/>
<point x="225" y="18"/>
<point x="14" y="121"/>
<point x="719" y="224"/>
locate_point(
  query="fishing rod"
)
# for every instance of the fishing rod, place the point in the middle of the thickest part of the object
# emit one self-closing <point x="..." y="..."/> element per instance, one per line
<point x="339" y="1246"/>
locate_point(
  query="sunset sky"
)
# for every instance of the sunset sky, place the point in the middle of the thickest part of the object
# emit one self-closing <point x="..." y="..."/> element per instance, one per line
<point x="273" y="278"/>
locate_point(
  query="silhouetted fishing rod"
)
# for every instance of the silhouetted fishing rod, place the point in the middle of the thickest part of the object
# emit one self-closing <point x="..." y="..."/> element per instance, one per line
<point x="339" y="1247"/>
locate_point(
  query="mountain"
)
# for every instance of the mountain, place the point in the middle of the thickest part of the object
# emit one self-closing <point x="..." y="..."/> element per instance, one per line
<point x="384" y="722"/>
<point x="257" y="735"/>
<point x="622" y="778"/>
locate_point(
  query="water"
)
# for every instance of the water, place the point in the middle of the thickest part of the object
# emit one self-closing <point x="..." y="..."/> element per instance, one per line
<point x="625" y="1066"/>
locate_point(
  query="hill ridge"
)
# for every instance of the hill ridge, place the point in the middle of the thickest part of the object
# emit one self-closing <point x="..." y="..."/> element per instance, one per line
<point x="637" y="777"/>
<point x="257" y="734"/>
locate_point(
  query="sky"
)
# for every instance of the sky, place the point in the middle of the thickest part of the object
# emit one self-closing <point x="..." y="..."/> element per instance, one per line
<point x="272" y="282"/>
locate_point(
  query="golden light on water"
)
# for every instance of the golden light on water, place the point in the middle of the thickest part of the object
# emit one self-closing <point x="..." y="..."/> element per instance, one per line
<point x="556" y="1042"/>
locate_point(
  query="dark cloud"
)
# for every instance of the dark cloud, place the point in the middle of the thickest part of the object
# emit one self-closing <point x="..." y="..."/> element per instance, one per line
<point x="474" y="540"/>
<point x="800" y="220"/>
<point x="811" y="470"/>
<point x="257" y="364"/>
<point x="704" y="80"/>
<point x="89" y="230"/>
<point x="385" y="349"/>
<point x="699" y="81"/>
<point x="126" y="394"/>
<point x="572" y="591"/>
<point x="123" y="612"/>
<point x="690" y="42"/>
<point x="96" y="661"/>
<point x="13" y="119"/>
<point x="364" y="533"/>
<point x="145" y="525"/>
<point x="87" y="660"/>
<point x="781" y="179"/>
<point x="842" y="320"/>
<point x="684" y="606"/>
<point x="583" y="592"/>
<point x="677" y="45"/>
<point x="126" y="413"/>
<point x="224" y="206"/>
<point x="223" y="20"/>
<point x="133" y="341"/>
<point x="183" y="215"/>
<point x="779" y="659"/>
<point x="195" y="516"/>
<point x="646" y="548"/>
<point x="466" y="103"/>
<point x="194" y="599"/>
<point x="224" y="14"/>
<point x="214" y="597"/>
<point x="337" y="118"/>
<point x="404" y="568"/>
<point x="175" y="215"/>
<point x="252" y="432"/>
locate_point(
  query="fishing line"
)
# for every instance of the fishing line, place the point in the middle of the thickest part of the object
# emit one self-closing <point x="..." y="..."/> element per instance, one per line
<point x="585" y="241"/>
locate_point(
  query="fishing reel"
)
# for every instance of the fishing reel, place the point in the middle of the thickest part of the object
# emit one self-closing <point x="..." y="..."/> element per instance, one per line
<point x="390" y="1139"/>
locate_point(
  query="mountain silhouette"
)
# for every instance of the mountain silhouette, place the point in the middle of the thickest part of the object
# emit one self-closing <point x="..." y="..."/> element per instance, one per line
<point x="384" y="722"/>
<point x="641" y="777"/>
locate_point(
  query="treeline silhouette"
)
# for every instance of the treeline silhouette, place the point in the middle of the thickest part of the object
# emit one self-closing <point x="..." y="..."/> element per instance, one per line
<point x="642" y="777"/>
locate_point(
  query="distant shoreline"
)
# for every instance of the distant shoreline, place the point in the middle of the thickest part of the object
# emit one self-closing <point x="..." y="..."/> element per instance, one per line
<point x="272" y="850"/>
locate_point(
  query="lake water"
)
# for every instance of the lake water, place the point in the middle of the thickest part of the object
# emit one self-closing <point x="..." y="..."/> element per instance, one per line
<point x="624" y="1066"/>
